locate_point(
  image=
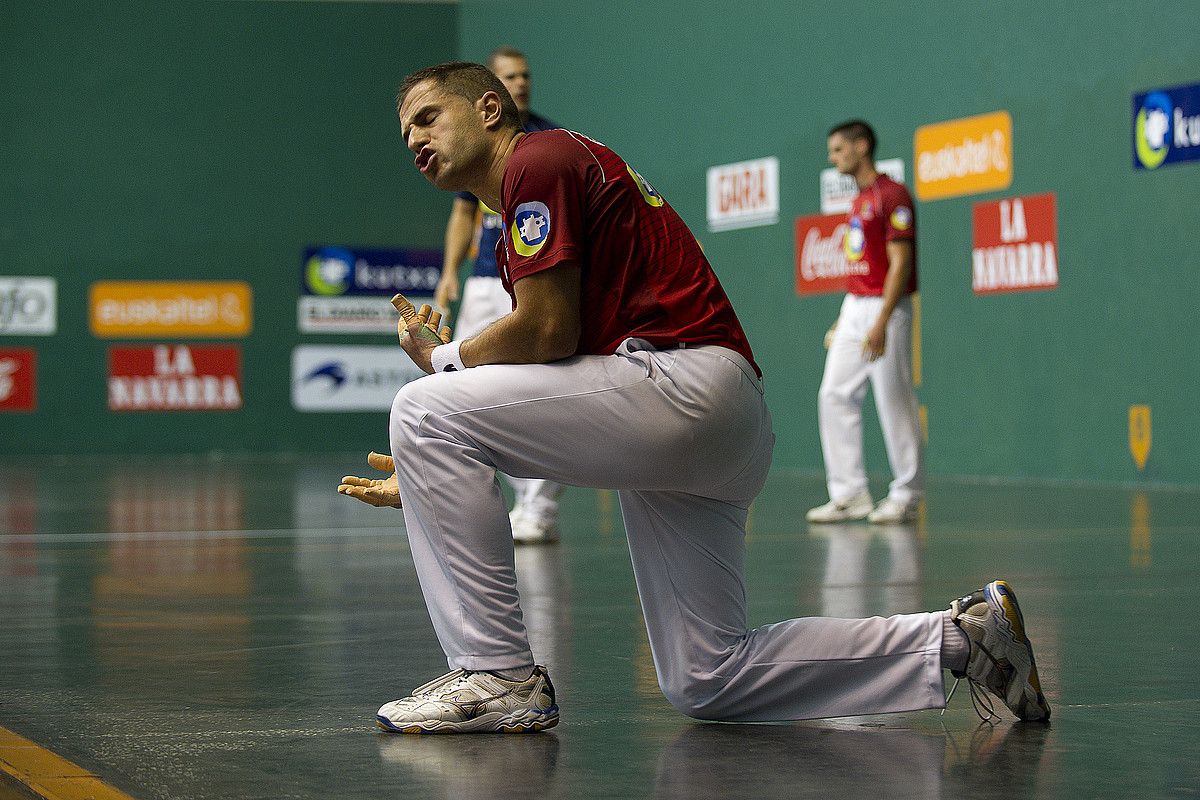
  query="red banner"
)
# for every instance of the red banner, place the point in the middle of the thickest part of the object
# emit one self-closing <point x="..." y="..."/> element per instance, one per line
<point x="1016" y="245"/>
<point x="18" y="379"/>
<point x="821" y="265"/>
<point x="175" y="377"/>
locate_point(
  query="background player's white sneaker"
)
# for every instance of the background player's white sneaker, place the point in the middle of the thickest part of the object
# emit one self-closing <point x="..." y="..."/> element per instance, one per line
<point x="474" y="702"/>
<point x="856" y="507"/>
<point x="530" y="527"/>
<point x="1001" y="658"/>
<point x="892" y="512"/>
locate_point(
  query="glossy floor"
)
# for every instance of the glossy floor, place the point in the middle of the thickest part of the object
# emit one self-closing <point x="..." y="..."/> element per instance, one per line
<point x="227" y="630"/>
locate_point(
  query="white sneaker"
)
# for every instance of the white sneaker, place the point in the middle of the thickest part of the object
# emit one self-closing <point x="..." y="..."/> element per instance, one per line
<point x="1001" y="655"/>
<point x="531" y="528"/>
<point x="474" y="702"/>
<point x="892" y="512"/>
<point x="856" y="507"/>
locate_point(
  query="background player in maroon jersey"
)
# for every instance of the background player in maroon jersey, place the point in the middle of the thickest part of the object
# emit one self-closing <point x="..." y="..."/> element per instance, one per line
<point x="871" y="342"/>
<point x="622" y="366"/>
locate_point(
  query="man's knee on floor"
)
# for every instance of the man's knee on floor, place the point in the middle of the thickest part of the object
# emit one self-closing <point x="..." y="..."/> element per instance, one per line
<point x="695" y="695"/>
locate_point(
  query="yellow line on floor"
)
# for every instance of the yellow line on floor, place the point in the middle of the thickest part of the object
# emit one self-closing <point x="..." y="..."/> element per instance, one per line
<point x="48" y="775"/>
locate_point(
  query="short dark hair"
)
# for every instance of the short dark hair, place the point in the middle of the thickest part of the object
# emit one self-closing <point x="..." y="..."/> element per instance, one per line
<point x="504" y="51"/>
<point x="856" y="129"/>
<point x="468" y="80"/>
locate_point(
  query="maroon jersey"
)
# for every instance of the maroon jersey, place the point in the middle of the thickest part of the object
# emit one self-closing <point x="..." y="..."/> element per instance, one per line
<point x="568" y="198"/>
<point x="881" y="213"/>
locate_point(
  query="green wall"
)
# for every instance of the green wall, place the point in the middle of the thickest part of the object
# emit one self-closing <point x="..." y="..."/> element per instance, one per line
<point x="1018" y="385"/>
<point x="202" y="141"/>
<point x="215" y="140"/>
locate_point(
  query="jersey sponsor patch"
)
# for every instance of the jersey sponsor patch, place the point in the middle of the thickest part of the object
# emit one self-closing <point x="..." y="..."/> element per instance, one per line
<point x="902" y="218"/>
<point x="856" y="241"/>
<point x="530" y="227"/>
<point x="648" y="193"/>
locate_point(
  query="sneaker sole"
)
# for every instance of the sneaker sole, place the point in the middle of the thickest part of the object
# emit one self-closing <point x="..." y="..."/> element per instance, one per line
<point x="821" y="519"/>
<point x="528" y="721"/>
<point x="1027" y="687"/>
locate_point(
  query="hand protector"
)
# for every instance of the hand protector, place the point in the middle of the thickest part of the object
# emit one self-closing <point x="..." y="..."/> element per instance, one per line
<point x="379" y="493"/>
<point x="427" y="318"/>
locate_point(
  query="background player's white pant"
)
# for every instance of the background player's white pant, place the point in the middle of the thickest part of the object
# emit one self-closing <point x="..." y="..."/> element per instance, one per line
<point x="840" y="400"/>
<point x="685" y="437"/>
<point x="483" y="302"/>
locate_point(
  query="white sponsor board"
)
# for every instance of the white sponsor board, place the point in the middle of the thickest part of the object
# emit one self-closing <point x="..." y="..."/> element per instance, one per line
<point x="838" y="190"/>
<point x="28" y="306"/>
<point x="349" y="377"/>
<point x="744" y="194"/>
<point x="355" y="314"/>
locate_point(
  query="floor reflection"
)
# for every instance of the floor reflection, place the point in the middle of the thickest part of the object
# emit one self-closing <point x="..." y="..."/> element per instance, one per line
<point x="545" y="604"/>
<point x="475" y="767"/>
<point x="857" y="585"/>
<point x="808" y="760"/>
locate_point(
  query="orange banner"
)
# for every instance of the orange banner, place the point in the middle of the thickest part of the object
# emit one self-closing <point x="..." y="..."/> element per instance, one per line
<point x="963" y="156"/>
<point x="170" y="309"/>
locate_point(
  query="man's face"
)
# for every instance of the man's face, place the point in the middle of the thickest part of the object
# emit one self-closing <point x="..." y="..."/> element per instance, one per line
<point x="514" y="74"/>
<point x="845" y="154"/>
<point x="447" y="134"/>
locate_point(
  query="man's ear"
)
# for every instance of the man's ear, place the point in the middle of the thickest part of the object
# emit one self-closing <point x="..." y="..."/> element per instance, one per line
<point x="490" y="109"/>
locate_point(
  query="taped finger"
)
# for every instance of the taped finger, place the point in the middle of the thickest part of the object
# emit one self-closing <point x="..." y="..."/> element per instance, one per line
<point x="381" y="462"/>
<point x="406" y="309"/>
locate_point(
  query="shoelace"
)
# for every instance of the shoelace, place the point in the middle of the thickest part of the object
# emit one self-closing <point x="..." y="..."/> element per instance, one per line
<point x="459" y="681"/>
<point x="979" y="700"/>
<point x="463" y="681"/>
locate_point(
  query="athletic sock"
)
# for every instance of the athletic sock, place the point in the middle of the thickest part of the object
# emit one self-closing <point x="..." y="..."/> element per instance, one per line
<point x="956" y="647"/>
<point x="514" y="674"/>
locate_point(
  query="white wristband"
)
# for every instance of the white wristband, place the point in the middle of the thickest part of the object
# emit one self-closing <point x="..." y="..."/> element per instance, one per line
<point x="445" y="358"/>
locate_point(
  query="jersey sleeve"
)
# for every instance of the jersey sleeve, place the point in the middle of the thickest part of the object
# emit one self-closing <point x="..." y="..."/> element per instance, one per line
<point x="901" y="221"/>
<point x="544" y="206"/>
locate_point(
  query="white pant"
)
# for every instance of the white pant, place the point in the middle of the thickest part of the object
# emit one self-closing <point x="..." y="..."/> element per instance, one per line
<point x="483" y="302"/>
<point x="843" y="388"/>
<point x="685" y="438"/>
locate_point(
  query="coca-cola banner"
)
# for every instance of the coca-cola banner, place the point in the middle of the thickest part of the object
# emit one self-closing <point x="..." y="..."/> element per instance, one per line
<point x="821" y="265"/>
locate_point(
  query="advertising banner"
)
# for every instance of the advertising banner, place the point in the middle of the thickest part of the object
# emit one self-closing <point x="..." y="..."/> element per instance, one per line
<point x="347" y="290"/>
<point x="175" y="377"/>
<point x="1166" y="126"/>
<point x="170" y="309"/>
<point x="963" y="156"/>
<point x="821" y="263"/>
<point x="28" y="306"/>
<point x="838" y="190"/>
<point x="1016" y="245"/>
<point x="743" y="195"/>
<point x="349" y="377"/>
<point x="18" y="379"/>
